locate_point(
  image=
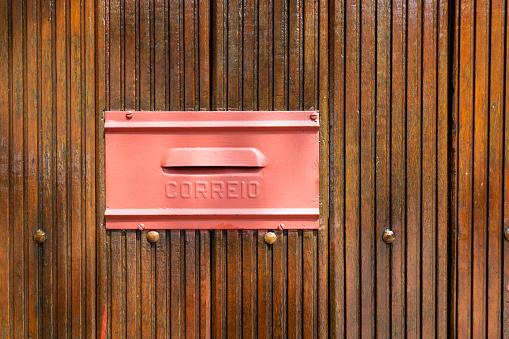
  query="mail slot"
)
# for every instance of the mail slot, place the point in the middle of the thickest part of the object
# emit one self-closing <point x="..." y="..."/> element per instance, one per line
<point x="212" y="170"/>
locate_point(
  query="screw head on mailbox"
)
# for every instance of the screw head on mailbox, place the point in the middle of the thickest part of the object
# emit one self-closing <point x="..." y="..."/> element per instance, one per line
<point x="212" y="170"/>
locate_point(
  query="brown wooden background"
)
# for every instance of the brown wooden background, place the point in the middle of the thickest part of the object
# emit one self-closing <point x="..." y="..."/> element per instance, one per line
<point x="412" y="98"/>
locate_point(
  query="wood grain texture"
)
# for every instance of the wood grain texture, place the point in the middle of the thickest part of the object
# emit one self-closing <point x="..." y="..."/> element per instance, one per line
<point x="389" y="168"/>
<point x="413" y="137"/>
<point x="481" y="109"/>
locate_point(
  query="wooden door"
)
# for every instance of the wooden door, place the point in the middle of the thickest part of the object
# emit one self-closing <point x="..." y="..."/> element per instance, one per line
<point x="412" y="100"/>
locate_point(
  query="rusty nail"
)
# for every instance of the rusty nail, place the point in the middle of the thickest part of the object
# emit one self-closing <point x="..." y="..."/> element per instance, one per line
<point x="281" y="226"/>
<point x="129" y="115"/>
<point x="314" y="116"/>
<point x="141" y="227"/>
<point x="270" y="238"/>
<point x="39" y="236"/>
<point x="153" y="236"/>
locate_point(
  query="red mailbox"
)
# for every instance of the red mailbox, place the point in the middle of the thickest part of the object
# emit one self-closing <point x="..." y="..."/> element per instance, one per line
<point x="212" y="170"/>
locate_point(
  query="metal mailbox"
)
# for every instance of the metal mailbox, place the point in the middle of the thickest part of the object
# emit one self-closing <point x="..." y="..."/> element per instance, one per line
<point x="212" y="170"/>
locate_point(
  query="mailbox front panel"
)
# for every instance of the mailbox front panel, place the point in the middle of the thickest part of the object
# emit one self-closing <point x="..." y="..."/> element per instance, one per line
<point x="212" y="170"/>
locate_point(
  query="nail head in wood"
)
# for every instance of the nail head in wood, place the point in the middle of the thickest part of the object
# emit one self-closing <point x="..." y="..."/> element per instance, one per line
<point x="388" y="236"/>
<point x="270" y="238"/>
<point x="153" y="237"/>
<point x="39" y="236"/>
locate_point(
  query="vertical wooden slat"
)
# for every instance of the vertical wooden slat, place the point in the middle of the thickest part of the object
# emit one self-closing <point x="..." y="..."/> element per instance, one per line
<point x="205" y="285"/>
<point x="118" y="298"/>
<point x="176" y="316"/>
<point x="495" y="171"/>
<point x="191" y="102"/>
<point x="62" y="299"/>
<point x="17" y="171"/>
<point x="352" y="167"/>
<point x="480" y="182"/>
<point x="219" y="54"/>
<point x="5" y="183"/>
<point x="76" y="139"/>
<point x="310" y="101"/>
<point x="219" y="88"/>
<point x="190" y="285"/>
<point x="175" y="62"/>
<point x="429" y="169"/>
<point x="382" y="168"/>
<point x="117" y="238"/>
<point x="160" y="71"/>
<point x="322" y="14"/>
<point x="249" y="273"/>
<point x="337" y="312"/>
<point x="203" y="20"/>
<point x="265" y="54"/>
<point x="233" y="238"/>
<point x="234" y="280"/>
<point x="30" y="139"/>
<point x="133" y="328"/>
<point x="191" y="58"/>
<point x="413" y="184"/>
<point x="102" y="237"/>
<point x="443" y="151"/>
<point x="131" y="101"/>
<point x="367" y="173"/>
<point x="265" y="102"/>
<point x="280" y="54"/>
<point x="218" y="296"/>
<point x="505" y="253"/>
<point x="309" y="285"/>
<point x="295" y="102"/>
<point x="279" y="257"/>
<point x="279" y="285"/>
<point x="398" y="167"/>
<point x="161" y="275"/>
<point x="465" y="168"/>
<point x="454" y="173"/>
<point x="175" y="66"/>
<point x="249" y="102"/>
<point x="249" y="54"/>
<point x="264" y="287"/>
<point x="146" y="286"/>
<point x="89" y="160"/>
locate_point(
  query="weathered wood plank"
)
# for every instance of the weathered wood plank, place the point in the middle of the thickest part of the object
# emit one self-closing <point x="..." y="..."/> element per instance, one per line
<point x="5" y="183"/>
<point x="414" y="172"/>
<point x="398" y="166"/>
<point x="368" y="233"/>
<point x="465" y="168"/>
<point x="337" y="311"/>
<point x="429" y="169"/>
